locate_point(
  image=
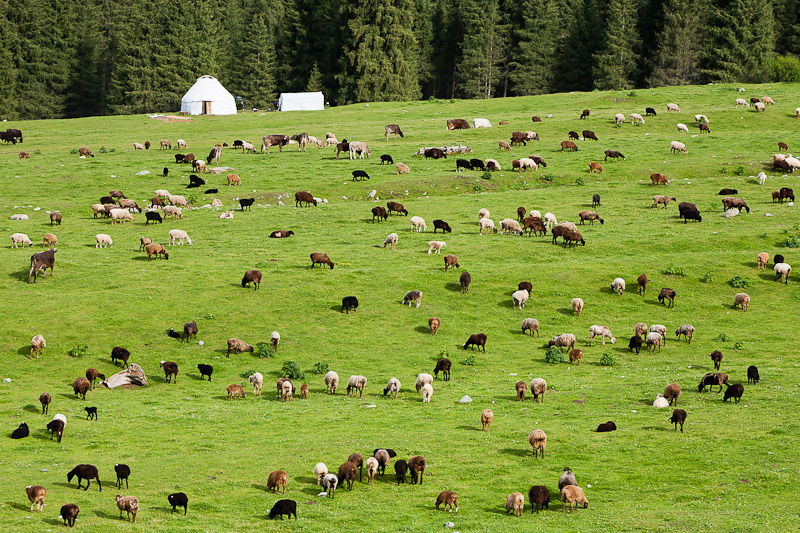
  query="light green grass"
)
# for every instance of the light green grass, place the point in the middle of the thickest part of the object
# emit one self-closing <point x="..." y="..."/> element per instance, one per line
<point x="734" y="469"/>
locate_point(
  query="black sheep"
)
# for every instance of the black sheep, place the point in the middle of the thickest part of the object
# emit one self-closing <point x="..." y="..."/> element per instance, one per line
<point x="284" y="507"/>
<point x="678" y="417"/>
<point x="606" y="427"/>
<point x="728" y="192"/>
<point x="153" y="216"/>
<point x="525" y="285"/>
<point x="650" y="111"/>
<point x="613" y="154"/>
<point x="246" y="203"/>
<point x="444" y="366"/>
<point x="752" y="374"/>
<point x="212" y="191"/>
<point x="465" y="281"/>
<point x="196" y="181"/>
<point x="166" y="172"/>
<point x="21" y="432"/>
<point x="69" y="512"/>
<point x="735" y="392"/>
<point x="91" y="413"/>
<point x="463" y="163"/>
<point x="205" y="370"/>
<point x="573" y="135"/>
<point x="477" y="164"/>
<point x="178" y="499"/>
<point x="400" y="469"/>
<point x="123" y="471"/>
<point x="359" y="175"/>
<point x="179" y="158"/>
<point x="595" y="200"/>
<point x="238" y="143"/>
<point x="539" y="497"/>
<point x="690" y="214"/>
<point x="121" y="354"/>
<point x="348" y="303"/>
<point x="174" y="334"/>
<point x="87" y="472"/>
<point x="442" y="225"/>
<point x="778" y="259"/>
<point x="635" y="343"/>
<point x="387" y="159"/>
<point x="107" y="200"/>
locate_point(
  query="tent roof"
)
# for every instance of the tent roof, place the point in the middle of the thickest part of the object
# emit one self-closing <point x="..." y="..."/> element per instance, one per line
<point x="208" y="89"/>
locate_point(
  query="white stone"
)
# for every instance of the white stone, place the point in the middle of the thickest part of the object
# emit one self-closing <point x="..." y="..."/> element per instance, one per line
<point x="372" y="193"/>
<point x="143" y="173"/>
<point x="465" y="399"/>
<point x="200" y="343"/>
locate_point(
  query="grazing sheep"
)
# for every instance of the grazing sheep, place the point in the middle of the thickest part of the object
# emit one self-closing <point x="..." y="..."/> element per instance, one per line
<point x="257" y="379"/>
<point x="189" y="330"/>
<point x="427" y="392"/>
<point x="716" y="357"/>
<point x="391" y="239"/>
<point x="673" y="107"/>
<point x="205" y="370"/>
<point x="530" y="324"/>
<point x="380" y="212"/>
<point x="382" y="456"/>
<point x="752" y="375"/>
<point x="357" y="383"/>
<point x="123" y="472"/>
<point x="740" y="102"/>
<point x="683" y="128"/>
<point x="782" y="270"/>
<point x="654" y="339"/>
<point x="604" y="331"/>
<point x="443" y="365"/>
<point x="575" y="495"/>
<point x="676" y="146"/>
<point x="393" y="386"/>
<point x="448" y="498"/>
<point x="678" y="417"/>
<point x="180" y="236"/>
<point x="332" y="381"/>
<point x="619" y="118"/>
<point x="434" y="323"/>
<point x="37" y="343"/>
<point x="402" y="168"/>
<point x="618" y="286"/>
<point x="435" y="246"/>
<point x="349" y="303"/>
<point x="81" y="386"/>
<point x="687" y="330"/>
<point x="304" y="391"/>
<point x="567" y="478"/>
<point x="660" y="402"/>
<point x="414" y="296"/>
<point x="575" y="356"/>
<point x="235" y="390"/>
<point x="87" y="472"/>
<point x="69" y="512"/>
<point x="252" y="276"/>
<point x="642" y="282"/>
<point x="595" y="167"/>
<point x="538" y="388"/>
<point x="157" y="250"/>
<point x="667" y="295"/>
<point x="521" y="387"/>
<point x="476" y="339"/>
<point x="565" y="340"/>
<point x="418" y="224"/>
<point x="637" y="119"/>
<point x="237" y="346"/>
<point x="176" y="199"/>
<point x="179" y="499"/>
<point x="170" y="371"/>
<point x="329" y="484"/>
<point x="56" y="426"/>
<point x="538" y="441"/>
<point x="577" y="306"/>
<point x="607" y="427"/>
<point x="742" y="300"/>
<point x="711" y="379"/>
<point x="661" y="199"/>
<point x="635" y="343"/>
<point x="539" y="497"/>
<point x="45" y="400"/>
<point x="36" y="495"/>
<point x="488" y="225"/>
<point x="483" y="213"/>
<point x="394" y="207"/>
<point x="169" y="211"/>
<point x="320" y="258"/>
<point x="283" y="507"/>
<point x="672" y="392"/>
<point x="103" y="240"/>
<point x="519" y="298"/>
<point x="515" y="502"/>
<point x="304" y="196"/>
<point x="734" y="391"/>
<point x="759" y="106"/>
<point x="738" y="203"/>
<point x="277" y="480"/>
<point x="372" y="468"/>
<point x="287" y="391"/>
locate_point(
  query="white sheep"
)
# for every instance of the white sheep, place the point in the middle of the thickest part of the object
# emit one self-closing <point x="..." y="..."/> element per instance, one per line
<point x="526" y="163"/>
<point x="181" y="144"/>
<point x="603" y="331"/>
<point x="619" y="118"/>
<point x="20" y="238"/>
<point x="654" y="339"/>
<point x="762" y="178"/>
<point x="536" y="214"/>
<point x="102" y="240"/>
<point x="740" y="102"/>
<point x="519" y="298"/>
<point x="199" y="165"/>
<point x="618" y="285"/>
<point x="577" y="306"/>
<point x="483" y="213"/>
<point x="637" y="119"/>
<point x="329" y="484"/>
<point x="797" y="113"/>
<point x="782" y="270"/>
<point x="492" y="164"/>
<point x="509" y="225"/>
<point x="780" y="157"/>
<point x="173" y="211"/>
<point x="120" y="215"/>
<point x="427" y="392"/>
<point x="412" y="296"/>
<point x="332" y="381"/>
<point x="422" y="379"/>
<point x="488" y="225"/>
<point x="37" y="343"/>
<point x="356" y="383"/>
<point x="569" y="225"/>
<point x="673" y="107"/>
<point x="179" y="235"/>
<point x="248" y="147"/>
<point x="18" y="216"/>
<point x="661" y="329"/>
<point x="320" y="471"/>
<point x="538" y="388"/>
<point x="660" y="402"/>
<point x="418" y="223"/>
<point x="481" y="123"/>
<point x="391" y="239"/>
<point x="550" y="220"/>
<point x="530" y="324"/>
<point x="257" y="380"/>
<point x="275" y="340"/>
<point x="683" y="128"/>
<point x="759" y="106"/>
<point x="177" y="199"/>
<point x="162" y="193"/>
<point x="435" y="246"/>
<point x="138" y="146"/>
<point x="793" y="162"/>
<point x="371" y="464"/>
<point x="565" y="340"/>
<point x="677" y="146"/>
<point x="393" y="387"/>
<point x="702" y="119"/>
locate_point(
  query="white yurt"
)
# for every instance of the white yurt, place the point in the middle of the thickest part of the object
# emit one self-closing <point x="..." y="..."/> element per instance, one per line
<point x="301" y="102"/>
<point x="208" y="97"/>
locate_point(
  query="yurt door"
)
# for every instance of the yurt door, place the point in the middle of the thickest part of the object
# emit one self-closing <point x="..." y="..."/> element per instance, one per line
<point x="206" y="108"/>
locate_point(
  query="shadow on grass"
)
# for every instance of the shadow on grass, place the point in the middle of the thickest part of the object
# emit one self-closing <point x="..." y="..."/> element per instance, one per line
<point x="109" y="516"/>
<point x="257" y="486"/>
<point x="453" y="287"/>
<point x="505" y="302"/>
<point x="470" y="428"/>
<point x="54" y="521"/>
<point x="31" y="408"/>
<point x="657" y="428"/>
<point x="516" y="452"/>
<point x="565" y="311"/>
<point x="423" y="329"/>
<point x="496" y="510"/>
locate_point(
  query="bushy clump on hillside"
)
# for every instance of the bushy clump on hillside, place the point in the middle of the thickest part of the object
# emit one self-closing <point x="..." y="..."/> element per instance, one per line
<point x="265" y="349"/>
<point x="79" y="350"/>
<point x="607" y="359"/>
<point x="553" y="355"/>
<point x="320" y="368"/>
<point x="739" y="282"/>
<point x="291" y="370"/>
<point x="675" y="271"/>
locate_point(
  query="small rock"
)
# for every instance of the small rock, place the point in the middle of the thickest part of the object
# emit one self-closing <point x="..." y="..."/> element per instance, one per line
<point x="201" y="343"/>
<point x="372" y="193"/>
<point x="465" y="399"/>
<point x="39" y="208"/>
<point x="549" y="115"/>
<point x="344" y="197"/>
<point x="280" y="203"/>
<point x="143" y="173"/>
<point x="322" y="495"/>
<point x="790" y="204"/>
<point x="768" y="215"/>
<point x="7" y="380"/>
<point x="370" y="406"/>
<point x="449" y="525"/>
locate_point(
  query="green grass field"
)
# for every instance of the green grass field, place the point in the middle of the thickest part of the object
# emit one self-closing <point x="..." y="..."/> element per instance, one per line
<point x="734" y="468"/>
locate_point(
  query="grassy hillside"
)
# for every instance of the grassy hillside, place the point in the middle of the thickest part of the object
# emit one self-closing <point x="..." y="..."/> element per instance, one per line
<point x="733" y="468"/>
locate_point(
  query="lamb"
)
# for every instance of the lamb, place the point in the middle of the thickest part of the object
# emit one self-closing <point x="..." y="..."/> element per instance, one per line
<point x="427" y="392"/>
<point x="257" y="379"/>
<point x="103" y="240"/>
<point x="36" y="495"/>
<point x="782" y="270"/>
<point x="654" y="339"/>
<point x="550" y="220"/>
<point x="37" y="343"/>
<point x="357" y="383"/>
<point x="418" y="224"/>
<point x="577" y="306"/>
<point x="92" y="375"/>
<point x="538" y="441"/>
<point x="619" y="118"/>
<point x="87" y="472"/>
<point x="488" y="225"/>
<point x="321" y="258"/>
<point x="81" y="386"/>
<point x="604" y="331"/>
<point x="574" y="494"/>
<point x="329" y="483"/>
<point x="413" y="296"/>
<point x="391" y="239"/>
<point x="434" y="323"/>
<point x="682" y="128"/>
<point x="237" y="346"/>
<point x="448" y="498"/>
<point x="287" y="390"/>
<point x="393" y="386"/>
<point x="180" y="236"/>
<point x="435" y="246"/>
<point x="277" y="480"/>
<point x="676" y="146"/>
<point x="519" y="298"/>
<point x="734" y="391"/>
<point x="178" y="499"/>
<point x="672" y="392"/>
<point x="332" y="381"/>
<point x="283" y="507"/>
<point x="687" y="330"/>
<point x="476" y="339"/>
<point x="538" y="388"/>
<point x="575" y="356"/>
<point x="618" y="286"/>
<point x="372" y="468"/>
<point x="69" y="512"/>
<point x="503" y="145"/>
<point x="539" y="497"/>
<point x="235" y="390"/>
<point x="123" y="472"/>
<point x="660" y="402"/>
<point x="716" y="357"/>
<point x="678" y="417"/>
<point x="530" y="324"/>
<point x="565" y="340"/>
<point x="521" y="387"/>
<point x="515" y="502"/>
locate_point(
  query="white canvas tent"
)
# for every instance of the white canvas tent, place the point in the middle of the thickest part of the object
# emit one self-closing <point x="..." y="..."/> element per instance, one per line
<point x="208" y="97"/>
<point x="301" y="102"/>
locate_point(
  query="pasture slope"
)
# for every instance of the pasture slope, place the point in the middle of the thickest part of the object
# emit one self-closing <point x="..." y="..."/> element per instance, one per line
<point x="734" y="468"/>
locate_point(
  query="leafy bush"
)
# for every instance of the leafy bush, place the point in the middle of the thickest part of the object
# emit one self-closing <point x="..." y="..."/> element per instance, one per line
<point x="470" y="360"/>
<point x="553" y="355"/>
<point x="486" y="175"/>
<point x="675" y="271"/>
<point x="739" y="282"/>
<point x="547" y="177"/>
<point x="291" y="370"/>
<point x="707" y="278"/>
<point x="79" y="351"/>
<point x="607" y="359"/>
<point x="740" y="171"/>
<point x="73" y="151"/>
<point x="477" y="187"/>
<point x="320" y="368"/>
<point x="790" y="242"/>
<point x="722" y="337"/>
<point x="632" y="94"/>
<point x="784" y="68"/>
<point x="265" y="349"/>
<point x="738" y="346"/>
<point x="579" y="181"/>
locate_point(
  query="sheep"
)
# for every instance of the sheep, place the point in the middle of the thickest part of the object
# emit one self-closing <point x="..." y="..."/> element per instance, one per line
<point x="277" y="480"/>
<point x="635" y="343"/>
<point x="234" y="179"/>
<point x="661" y="199"/>
<point x="414" y="296"/>
<point x="56" y="426"/>
<point x="357" y="383"/>
<point x="618" y="286"/>
<point x="782" y="270"/>
<point x="742" y="300"/>
<point x="667" y="295"/>
<point x="538" y="440"/>
<point x="434" y="323"/>
<point x="488" y="225"/>
<point x="574" y="494"/>
<point x="321" y="258"/>
<point x="539" y="497"/>
<point x="372" y="468"/>
<point x="332" y="381"/>
<point x="637" y="119"/>
<point x="87" y="472"/>
<point x="237" y="346"/>
<point x="123" y="472"/>
<point x="69" y="512"/>
<point x="252" y="276"/>
<point x="18" y="216"/>
<point x="740" y="102"/>
<point x="171" y="211"/>
<point x="538" y="388"/>
<point x="103" y="240"/>
<point x="257" y="379"/>
<point x="673" y="107"/>
<point x="402" y="168"/>
<point x="503" y="145"/>
<point x="759" y="106"/>
<point x="521" y="387"/>
<point x="418" y="224"/>
<point x="738" y="203"/>
<point x="81" y="386"/>
<point x="577" y="306"/>
<point x="448" y="498"/>
<point x="283" y="507"/>
<point x="678" y="417"/>
<point x="435" y="246"/>
<point x="37" y="343"/>
<point x="287" y="390"/>
<point x="687" y="330"/>
<point x="508" y="225"/>
<point x="392" y="386"/>
<point x="329" y="483"/>
<point x="550" y="220"/>
<point x="716" y="357"/>
<point x="382" y="456"/>
<point x="176" y="199"/>
<point x="170" y="370"/>
<point x="464" y="280"/>
<point x="358" y="461"/>
<point x="752" y="375"/>
<point x="515" y="502"/>
<point x="672" y="392"/>
<point x="121" y="354"/>
<point x="235" y="390"/>
<point x="120" y="215"/>
<point x="676" y="146"/>
<point x="565" y="340"/>
<point x="683" y="128"/>
<point x="476" y="339"/>
<point x="654" y="339"/>
<point x="179" y="499"/>
<point x="427" y="392"/>
<point x="304" y="391"/>
<point x="359" y="148"/>
<point x="640" y="328"/>
<point x="619" y="118"/>
<point x="734" y="391"/>
<point x="660" y="402"/>
<point x="483" y="213"/>
<point x="21" y="432"/>
<point x="180" y="236"/>
<point x="530" y="324"/>
<point x="595" y="167"/>
<point x="711" y="379"/>
<point x="492" y="165"/>
<point x="391" y="239"/>
<point x="45" y="400"/>
<point x="575" y="356"/>
<point x="519" y="298"/>
<point x="157" y="250"/>
<point x="304" y="196"/>
<point x="36" y="495"/>
<point x="606" y="427"/>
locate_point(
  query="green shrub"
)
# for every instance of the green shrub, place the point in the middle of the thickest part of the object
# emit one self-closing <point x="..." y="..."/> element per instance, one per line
<point x="739" y="282"/>
<point x="470" y="360"/>
<point x="579" y="181"/>
<point x="790" y="242"/>
<point x="784" y="68"/>
<point x="265" y="349"/>
<point x="477" y="187"/>
<point x="707" y="278"/>
<point x="675" y="271"/>
<point x="79" y="351"/>
<point x="320" y="368"/>
<point x="73" y="151"/>
<point x="291" y="370"/>
<point x="486" y="175"/>
<point x="739" y="171"/>
<point x="722" y="337"/>
<point x="553" y="355"/>
<point x="607" y="359"/>
<point x="547" y="177"/>
<point x="738" y="346"/>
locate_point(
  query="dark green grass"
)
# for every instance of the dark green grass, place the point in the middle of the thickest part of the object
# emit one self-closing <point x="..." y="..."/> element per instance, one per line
<point x="733" y="469"/>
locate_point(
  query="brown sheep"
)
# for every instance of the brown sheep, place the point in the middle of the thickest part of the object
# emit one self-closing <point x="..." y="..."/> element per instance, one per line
<point x="55" y="217"/>
<point x="574" y="494"/>
<point x="347" y="475"/>
<point x="170" y="371"/>
<point x="81" y="386"/>
<point x="449" y="499"/>
<point x="763" y="259"/>
<point x="504" y="145"/>
<point x="304" y="391"/>
<point x="783" y="147"/>
<point x="450" y="260"/>
<point x="642" y="281"/>
<point x="85" y="151"/>
<point x="129" y="504"/>
<point x="156" y="249"/>
<point x="522" y="388"/>
<point x="416" y="466"/>
<point x="92" y="374"/>
<point x="45" y="400"/>
<point x="595" y="167"/>
<point x="658" y="177"/>
<point x="237" y="346"/>
<point x="36" y="495"/>
<point x="304" y="196"/>
<point x="434" y="323"/>
<point x="515" y="502"/>
<point x="24" y="155"/>
<point x="716" y="357"/>
<point x="591" y="216"/>
<point x="486" y="419"/>
<point x="252" y="276"/>
<point x="538" y="440"/>
<point x="233" y="179"/>
<point x="319" y="258"/>
<point x="49" y="240"/>
<point x="279" y="385"/>
<point x="575" y="356"/>
<point x="738" y="203"/>
<point x="568" y="145"/>
<point x="235" y="390"/>
<point x="661" y="199"/>
<point x="277" y="480"/>
<point x="672" y="392"/>
<point x="358" y="460"/>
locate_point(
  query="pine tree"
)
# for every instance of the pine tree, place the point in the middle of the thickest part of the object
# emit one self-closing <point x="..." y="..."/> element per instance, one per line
<point x="424" y="35"/>
<point x="251" y="73"/>
<point x="483" y="50"/>
<point x="615" y="64"/>
<point x="314" y="80"/>
<point x="8" y="72"/>
<point x="787" y="12"/>
<point x="679" y="44"/>
<point x="583" y="25"/>
<point x="538" y="35"/>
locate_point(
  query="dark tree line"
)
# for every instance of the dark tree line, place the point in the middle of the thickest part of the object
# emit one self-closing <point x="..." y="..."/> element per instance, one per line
<point x="61" y="58"/>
